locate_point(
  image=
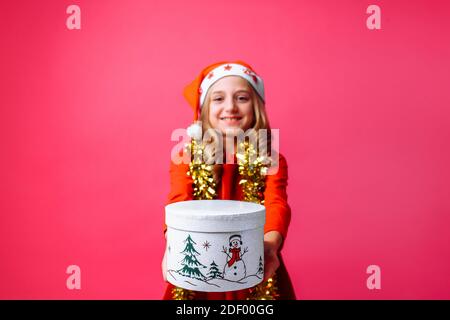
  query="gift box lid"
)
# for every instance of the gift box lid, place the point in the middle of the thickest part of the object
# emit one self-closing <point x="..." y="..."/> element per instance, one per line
<point x="215" y="215"/>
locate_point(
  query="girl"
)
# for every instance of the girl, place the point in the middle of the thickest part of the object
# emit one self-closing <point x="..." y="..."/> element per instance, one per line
<point x="230" y="97"/>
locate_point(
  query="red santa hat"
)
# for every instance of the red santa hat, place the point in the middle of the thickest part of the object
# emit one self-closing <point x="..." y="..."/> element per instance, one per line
<point x="196" y="91"/>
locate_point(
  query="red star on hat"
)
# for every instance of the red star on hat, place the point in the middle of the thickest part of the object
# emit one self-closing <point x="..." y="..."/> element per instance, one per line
<point x="252" y="74"/>
<point x="227" y="67"/>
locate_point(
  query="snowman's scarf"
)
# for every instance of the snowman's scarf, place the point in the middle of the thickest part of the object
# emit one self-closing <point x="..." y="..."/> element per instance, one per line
<point x="235" y="256"/>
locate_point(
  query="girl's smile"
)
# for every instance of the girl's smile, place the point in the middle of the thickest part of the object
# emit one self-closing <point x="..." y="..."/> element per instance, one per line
<point x="231" y="120"/>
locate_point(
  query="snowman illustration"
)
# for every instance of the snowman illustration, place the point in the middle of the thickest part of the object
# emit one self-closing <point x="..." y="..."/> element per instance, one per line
<point x="234" y="269"/>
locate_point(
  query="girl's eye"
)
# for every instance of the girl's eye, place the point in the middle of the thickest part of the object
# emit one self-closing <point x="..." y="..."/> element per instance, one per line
<point x="243" y="98"/>
<point x="217" y="99"/>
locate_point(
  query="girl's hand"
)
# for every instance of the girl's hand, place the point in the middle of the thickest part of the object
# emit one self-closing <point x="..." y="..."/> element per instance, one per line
<point x="272" y="243"/>
<point x="164" y="261"/>
<point x="164" y="265"/>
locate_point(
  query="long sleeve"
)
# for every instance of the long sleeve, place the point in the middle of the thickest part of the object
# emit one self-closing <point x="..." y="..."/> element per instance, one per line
<point x="180" y="184"/>
<point x="278" y="212"/>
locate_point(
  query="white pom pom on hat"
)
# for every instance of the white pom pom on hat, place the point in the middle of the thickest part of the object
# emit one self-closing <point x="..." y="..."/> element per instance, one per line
<point x="195" y="130"/>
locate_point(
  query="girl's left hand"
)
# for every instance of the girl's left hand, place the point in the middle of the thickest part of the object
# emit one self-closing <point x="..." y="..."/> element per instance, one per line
<point x="272" y="243"/>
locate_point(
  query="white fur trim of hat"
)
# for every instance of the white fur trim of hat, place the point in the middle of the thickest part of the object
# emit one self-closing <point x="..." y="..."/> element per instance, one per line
<point x="231" y="69"/>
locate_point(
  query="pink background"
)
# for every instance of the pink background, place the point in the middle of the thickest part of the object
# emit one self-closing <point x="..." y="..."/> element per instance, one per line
<point x="86" y="117"/>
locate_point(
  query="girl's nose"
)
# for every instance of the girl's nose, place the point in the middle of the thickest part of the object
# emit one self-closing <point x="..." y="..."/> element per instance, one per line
<point x="230" y="105"/>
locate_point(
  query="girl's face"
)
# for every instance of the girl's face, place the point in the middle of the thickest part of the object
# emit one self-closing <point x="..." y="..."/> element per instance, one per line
<point x="231" y="105"/>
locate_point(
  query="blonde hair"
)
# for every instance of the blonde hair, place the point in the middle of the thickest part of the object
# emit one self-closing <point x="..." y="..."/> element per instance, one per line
<point x="261" y="121"/>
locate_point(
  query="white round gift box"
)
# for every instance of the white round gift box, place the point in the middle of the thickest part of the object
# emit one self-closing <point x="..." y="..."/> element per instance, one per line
<point x="215" y="245"/>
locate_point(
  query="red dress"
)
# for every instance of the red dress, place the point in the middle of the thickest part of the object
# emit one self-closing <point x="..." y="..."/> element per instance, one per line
<point x="278" y="216"/>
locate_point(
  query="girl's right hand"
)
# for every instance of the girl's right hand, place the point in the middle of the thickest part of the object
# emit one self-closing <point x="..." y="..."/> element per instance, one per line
<point x="164" y="266"/>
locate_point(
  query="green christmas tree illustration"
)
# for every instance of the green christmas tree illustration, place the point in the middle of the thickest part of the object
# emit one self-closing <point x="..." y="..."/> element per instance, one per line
<point x="260" y="266"/>
<point x="190" y="263"/>
<point x="214" y="272"/>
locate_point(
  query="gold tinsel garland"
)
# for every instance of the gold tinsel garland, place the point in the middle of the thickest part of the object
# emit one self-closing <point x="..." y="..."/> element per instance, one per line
<point x="204" y="186"/>
<point x="266" y="290"/>
<point x="182" y="294"/>
<point x="252" y="170"/>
